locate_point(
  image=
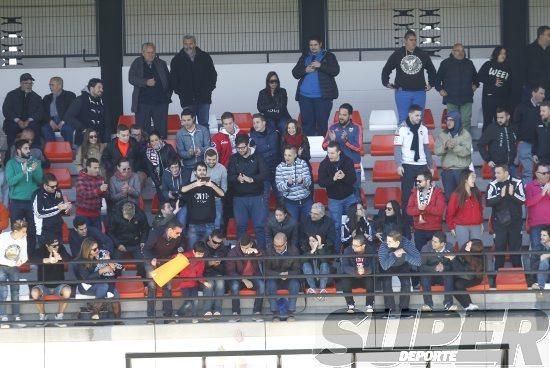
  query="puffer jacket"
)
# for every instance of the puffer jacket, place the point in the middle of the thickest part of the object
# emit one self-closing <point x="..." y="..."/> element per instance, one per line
<point x="267" y="146"/>
<point x="456" y="77"/>
<point x="288" y="226"/>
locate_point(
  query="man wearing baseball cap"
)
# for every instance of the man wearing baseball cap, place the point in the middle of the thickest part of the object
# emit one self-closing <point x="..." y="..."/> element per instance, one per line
<point x="22" y="108"/>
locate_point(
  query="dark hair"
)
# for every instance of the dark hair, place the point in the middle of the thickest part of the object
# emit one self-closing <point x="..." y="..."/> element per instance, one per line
<point x="48" y="177"/>
<point x="78" y="221"/>
<point x="199" y="246"/>
<point x="93" y="82"/>
<point x="241" y="138"/>
<point x="91" y="160"/>
<point x="360" y="238"/>
<point x="503" y="167"/>
<point x="20" y="143"/>
<point x="346" y="106"/>
<point x="122" y="128"/>
<point x="269" y="75"/>
<point x="200" y="164"/>
<point x="211" y="152"/>
<point x="227" y="115"/>
<point x="415" y="107"/>
<point x="396" y="235"/>
<point x="461" y="188"/>
<point x="440" y="235"/>
<point x="188" y="112"/>
<point x="382" y="217"/>
<point x="85" y="147"/>
<point x="545" y="104"/>
<point x="314" y="38"/>
<point x="474" y="261"/>
<point x="334" y="144"/>
<point x="536" y="88"/>
<point x="49" y="240"/>
<point x="351" y="212"/>
<point x="502" y="109"/>
<point x="245" y="239"/>
<point x="19" y="224"/>
<point x="427" y="174"/>
<point x="546" y="228"/>
<point x="174" y="162"/>
<point x="409" y="33"/>
<point x="541" y="30"/>
<point x="121" y="160"/>
<point x="217" y="233"/>
<point x="496" y="52"/>
<point x="157" y="133"/>
<point x="282" y="209"/>
<point x="258" y="115"/>
<point x="173" y="224"/>
<point x="290" y="147"/>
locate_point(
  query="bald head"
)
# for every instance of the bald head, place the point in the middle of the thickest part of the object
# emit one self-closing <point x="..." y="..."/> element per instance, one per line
<point x="279" y="242"/>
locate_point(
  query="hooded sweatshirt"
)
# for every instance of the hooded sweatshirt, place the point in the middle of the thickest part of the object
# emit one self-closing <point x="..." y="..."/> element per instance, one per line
<point x="217" y="174"/>
<point x="22" y="184"/>
<point x="224" y="143"/>
<point x="409" y="68"/>
<point x="488" y="75"/>
<point x="460" y="156"/>
<point x="171" y="183"/>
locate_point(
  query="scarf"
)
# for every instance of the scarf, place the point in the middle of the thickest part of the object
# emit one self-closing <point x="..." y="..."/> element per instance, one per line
<point x="424" y="198"/>
<point x="317" y="57"/>
<point x="96" y="109"/>
<point x="295" y="140"/>
<point x="153" y="154"/>
<point x="415" y="145"/>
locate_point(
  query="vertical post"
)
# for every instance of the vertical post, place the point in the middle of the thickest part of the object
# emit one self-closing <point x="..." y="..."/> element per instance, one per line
<point x="313" y="21"/>
<point x="110" y="32"/>
<point x="514" y="19"/>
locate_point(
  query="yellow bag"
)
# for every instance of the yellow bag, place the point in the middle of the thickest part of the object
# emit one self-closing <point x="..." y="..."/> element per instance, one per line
<point x="169" y="270"/>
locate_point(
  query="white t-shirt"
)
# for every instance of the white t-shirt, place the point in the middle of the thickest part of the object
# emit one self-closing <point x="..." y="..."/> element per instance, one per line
<point x="404" y="137"/>
<point x="12" y="250"/>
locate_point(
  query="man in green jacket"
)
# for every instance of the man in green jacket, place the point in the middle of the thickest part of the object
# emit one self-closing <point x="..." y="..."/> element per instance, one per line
<point x="24" y="175"/>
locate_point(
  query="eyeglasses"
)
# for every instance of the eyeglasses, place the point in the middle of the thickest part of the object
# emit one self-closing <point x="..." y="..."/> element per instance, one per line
<point x="389" y="209"/>
<point x="543" y="173"/>
<point x="125" y="169"/>
<point x="273" y="81"/>
<point x="55" y="245"/>
<point x="92" y="136"/>
<point x="242" y="148"/>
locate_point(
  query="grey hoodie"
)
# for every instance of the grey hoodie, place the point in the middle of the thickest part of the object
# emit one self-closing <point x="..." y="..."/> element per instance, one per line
<point x="217" y="174"/>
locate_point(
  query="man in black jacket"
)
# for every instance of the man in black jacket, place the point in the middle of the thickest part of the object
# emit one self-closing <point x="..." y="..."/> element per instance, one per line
<point x="246" y="175"/>
<point x="317" y="224"/>
<point x="541" y="148"/>
<point x="456" y="81"/>
<point x="337" y="175"/>
<point x="193" y="78"/>
<point x="55" y="105"/>
<point x="497" y="145"/>
<point x="409" y="63"/>
<point x="150" y="77"/>
<point x="525" y="121"/>
<point x="506" y="196"/>
<point x="22" y="108"/>
<point x="88" y="111"/>
<point x="316" y="70"/>
<point x="123" y="146"/>
<point x="538" y="61"/>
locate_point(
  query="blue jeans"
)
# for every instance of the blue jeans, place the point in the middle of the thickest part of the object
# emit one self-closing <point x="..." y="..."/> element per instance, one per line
<point x="450" y="179"/>
<point x="21" y="209"/>
<point x="315" y="115"/>
<point x="182" y="216"/>
<point x="219" y="213"/>
<point x="278" y="124"/>
<point x="196" y="232"/>
<point x="448" y="284"/>
<point x="189" y="303"/>
<point x="268" y="186"/>
<point x="98" y="290"/>
<point x="157" y="114"/>
<point x="251" y="209"/>
<point x="544" y="265"/>
<point x="316" y="267"/>
<point x="217" y="289"/>
<point x="9" y="274"/>
<point x="536" y="246"/>
<point x="357" y="184"/>
<point x="152" y="294"/>
<point x="259" y="287"/>
<point x="404" y="100"/>
<point x="293" y="286"/>
<point x="67" y="132"/>
<point x="338" y="208"/>
<point x="202" y="111"/>
<point x="526" y="160"/>
<point x="299" y="209"/>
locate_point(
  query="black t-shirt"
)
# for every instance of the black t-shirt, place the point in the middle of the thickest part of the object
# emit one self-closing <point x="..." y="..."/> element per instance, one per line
<point x="51" y="272"/>
<point x="201" y="206"/>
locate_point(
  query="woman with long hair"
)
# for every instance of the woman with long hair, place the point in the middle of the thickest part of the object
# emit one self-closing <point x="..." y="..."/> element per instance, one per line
<point x="471" y="268"/>
<point x="292" y="135"/>
<point x="389" y="218"/>
<point x="158" y="156"/>
<point x="282" y="222"/>
<point x="272" y="101"/>
<point x="465" y="209"/>
<point x="87" y="270"/>
<point x="357" y="223"/>
<point x="91" y="148"/>
<point x="495" y="75"/>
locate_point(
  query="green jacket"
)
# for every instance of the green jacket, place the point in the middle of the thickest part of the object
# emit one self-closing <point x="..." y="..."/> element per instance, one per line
<point x="23" y="184"/>
<point x="459" y="157"/>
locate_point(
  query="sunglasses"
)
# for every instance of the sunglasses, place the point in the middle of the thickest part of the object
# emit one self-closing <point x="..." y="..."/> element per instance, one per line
<point x="389" y="209"/>
<point x="92" y="136"/>
<point x="216" y="242"/>
<point x="273" y="81"/>
<point x="56" y="245"/>
<point x="95" y="249"/>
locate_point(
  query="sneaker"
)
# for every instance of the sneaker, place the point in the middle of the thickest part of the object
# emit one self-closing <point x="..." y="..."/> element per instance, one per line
<point x="322" y="295"/>
<point x="42" y="318"/>
<point x="257" y="317"/>
<point x="351" y="308"/>
<point x="19" y="322"/>
<point x="207" y="316"/>
<point x="426" y="308"/>
<point x="369" y="309"/>
<point x="235" y="318"/>
<point x="217" y="315"/>
<point x="194" y="320"/>
<point x="311" y="291"/>
<point x="536" y="286"/>
<point x="451" y="307"/>
<point x="58" y="319"/>
<point x="4" y="325"/>
<point x="276" y="318"/>
<point x="472" y="307"/>
<point x="291" y="318"/>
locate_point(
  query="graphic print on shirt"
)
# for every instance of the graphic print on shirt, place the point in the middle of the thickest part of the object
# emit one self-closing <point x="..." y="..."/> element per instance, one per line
<point x="201" y="198"/>
<point x="12" y="252"/>
<point x="411" y="64"/>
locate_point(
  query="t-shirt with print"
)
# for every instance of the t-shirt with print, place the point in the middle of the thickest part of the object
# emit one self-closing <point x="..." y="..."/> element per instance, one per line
<point x="201" y="206"/>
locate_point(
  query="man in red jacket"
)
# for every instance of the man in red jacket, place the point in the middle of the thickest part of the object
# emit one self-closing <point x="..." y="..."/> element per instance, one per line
<point x="426" y="206"/>
<point x="224" y="140"/>
<point x="90" y="188"/>
<point x="189" y="287"/>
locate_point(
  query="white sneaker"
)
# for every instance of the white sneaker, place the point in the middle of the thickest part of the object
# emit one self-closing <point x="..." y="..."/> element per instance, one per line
<point x="235" y="318"/>
<point x="58" y="319"/>
<point x="451" y="308"/>
<point x="536" y="286"/>
<point x="217" y="315"/>
<point x="207" y="316"/>
<point x="369" y="309"/>
<point x="311" y="291"/>
<point x="19" y="322"/>
<point x="351" y="308"/>
<point x="4" y="325"/>
<point x="322" y="295"/>
<point x="426" y="308"/>
<point x="472" y="307"/>
<point x="195" y="320"/>
<point x="257" y="317"/>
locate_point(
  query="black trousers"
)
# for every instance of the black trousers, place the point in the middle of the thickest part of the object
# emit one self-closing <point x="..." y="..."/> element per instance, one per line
<point x="149" y="116"/>
<point x="508" y="235"/>
<point x="461" y="285"/>
<point x="404" y="299"/>
<point x="346" y="284"/>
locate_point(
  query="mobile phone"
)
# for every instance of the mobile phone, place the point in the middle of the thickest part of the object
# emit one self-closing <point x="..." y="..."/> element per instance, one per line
<point x="206" y="178"/>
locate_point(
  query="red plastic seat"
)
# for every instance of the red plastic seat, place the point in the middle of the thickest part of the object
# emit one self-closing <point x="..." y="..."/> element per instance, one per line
<point x="155" y="205"/>
<point x="483" y="286"/>
<point x="429" y="119"/>
<point x="172" y="142"/>
<point x="272" y="201"/>
<point x="232" y="229"/>
<point x="385" y="170"/>
<point x="512" y="278"/>
<point x="444" y="119"/>
<point x="384" y="195"/>
<point x="315" y="171"/>
<point x="486" y="171"/>
<point x="282" y="292"/>
<point x="243" y="121"/>
<point x="320" y="195"/>
<point x="247" y="292"/>
<point x="431" y="143"/>
<point x="58" y="152"/>
<point x="127" y="265"/>
<point x="63" y="176"/>
<point x="382" y="145"/>
<point x="173" y="124"/>
<point x="130" y="289"/>
<point x="65" y="233"/>
<point x="53" y="297"/>
<point x="127" y="120"/>
<point x="359" y="291"/>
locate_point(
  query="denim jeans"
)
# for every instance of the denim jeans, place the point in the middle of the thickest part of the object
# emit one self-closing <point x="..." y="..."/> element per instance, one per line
<point x="535" y="246"/>
<point x="525" y="158"/>
<point x="544" y="265"/>
<point x="270" y="185"/>
<point x="448" y="284"/>
<point x="202" y="111"/>
<point x="9" y="274"/>
<point x="450" y="179"/>
<point x="465" y="111"/>
<point x="315" y="115"/>
<point x="67" y="132"/>
<point x="259" y="287"/>
<point x="156" y="114"/>
<point x="196" y="232"/>
<point x="299" y="209"/>
<point x="98" y="290"/>
<point x="404" y="100"/>
<point x="182" y="216"/>
<point x="277" y="124"/>
<point x="387" y="288"/>
<point x="316" y="267"/>
<point x="193" y="293"/>
<point x="137" y="253"/>
<point x="337" y="208"/>
<point x="346" y="284"/>
<point x="250" y="209"/>
<point x="152" y="294"/>
<point x="217" y="289"/>
<point x="293" y="286"/>
<point x="23" y="210"/>
<point x="219" y="213"/>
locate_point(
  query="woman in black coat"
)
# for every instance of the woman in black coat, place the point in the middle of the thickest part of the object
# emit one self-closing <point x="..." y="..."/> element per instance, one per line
<point x="389" y="219"/>
<point x="159" y="155"/>
<point x="272" y="101"/>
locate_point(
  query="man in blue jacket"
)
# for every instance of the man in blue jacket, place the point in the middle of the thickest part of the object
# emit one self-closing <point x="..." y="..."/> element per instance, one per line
<point x="396" y="256"/>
